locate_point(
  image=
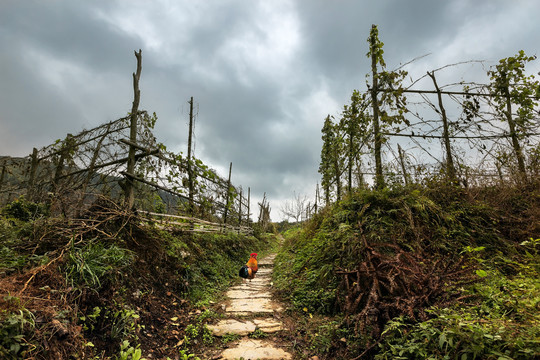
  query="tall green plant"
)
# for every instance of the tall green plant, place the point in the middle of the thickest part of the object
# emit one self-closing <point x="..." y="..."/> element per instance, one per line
<point x="387" y="99"/>
<point x="331" y="164"/>
<point x="516" y="97"/>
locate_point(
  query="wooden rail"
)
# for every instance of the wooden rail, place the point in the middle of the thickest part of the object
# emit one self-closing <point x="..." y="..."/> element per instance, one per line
<point x="186" y="223"/>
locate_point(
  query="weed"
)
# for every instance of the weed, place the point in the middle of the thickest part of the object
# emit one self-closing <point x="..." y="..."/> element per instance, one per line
<point x="128" y="352"/>
<point x="15" y="323"/>
<point x="258" y="334"/>
<point x="183" y="355"/>
<point x="90" y="265"/>
<point x="229" y="337"/>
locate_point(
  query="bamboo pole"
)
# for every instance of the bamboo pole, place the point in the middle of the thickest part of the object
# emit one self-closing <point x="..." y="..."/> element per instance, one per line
<point x="228" y="195"/>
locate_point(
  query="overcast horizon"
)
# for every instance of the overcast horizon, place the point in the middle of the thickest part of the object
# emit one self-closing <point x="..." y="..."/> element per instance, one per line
<point x="263" y="75"/>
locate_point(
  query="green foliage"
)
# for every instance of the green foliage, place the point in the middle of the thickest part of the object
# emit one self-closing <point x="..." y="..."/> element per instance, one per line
<point x="331" y="164"/>
<point x="258" y="334"/>
<point x="509" y="80"/>
<point x="119" y="324"/>
<point x="16" y="323"/>
<point x="128" y="352"/>
<point x="24" y="210"/>
<point x="501" y="324"/>
<point x="95" y="262"/>
<point x="12" y="257"/>
<point x="500" y="315"/>
<point x="198" y="332"/>
<point x="325" y="336"/>
<point x="184" y="355"/>
<point x="229" y="337"/>
<point x="123" y="323"/>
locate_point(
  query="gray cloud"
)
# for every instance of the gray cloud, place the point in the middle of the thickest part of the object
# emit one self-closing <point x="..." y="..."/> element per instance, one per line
<point x="264" y="74"/>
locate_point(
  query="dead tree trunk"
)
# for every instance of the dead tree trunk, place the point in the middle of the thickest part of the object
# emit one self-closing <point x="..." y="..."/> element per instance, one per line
<point x="130" y="184"/>
<point x="450" y="169"/>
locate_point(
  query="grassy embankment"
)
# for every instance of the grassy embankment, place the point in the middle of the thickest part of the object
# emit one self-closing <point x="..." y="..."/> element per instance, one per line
<point x="107" y="286"/>
<point x="433" y="272"/>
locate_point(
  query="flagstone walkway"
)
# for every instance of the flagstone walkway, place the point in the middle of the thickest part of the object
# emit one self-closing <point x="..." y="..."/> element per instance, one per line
<point x="249" y="307"/>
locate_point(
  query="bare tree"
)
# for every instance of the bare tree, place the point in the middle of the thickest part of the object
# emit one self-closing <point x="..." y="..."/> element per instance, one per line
<point x="295" y="208"/>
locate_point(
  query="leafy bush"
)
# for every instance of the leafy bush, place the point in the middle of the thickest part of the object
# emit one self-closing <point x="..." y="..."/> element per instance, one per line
<point x="15" y="323"/>
<point x="24" y="210"/>
<point x="501" y="323"/>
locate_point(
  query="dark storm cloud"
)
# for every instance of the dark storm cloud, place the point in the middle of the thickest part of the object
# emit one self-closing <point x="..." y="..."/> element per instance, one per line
<point x="263" y="75"/>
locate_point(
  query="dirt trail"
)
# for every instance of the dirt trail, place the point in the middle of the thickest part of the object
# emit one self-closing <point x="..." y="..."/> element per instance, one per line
<point x="249" y="308"/>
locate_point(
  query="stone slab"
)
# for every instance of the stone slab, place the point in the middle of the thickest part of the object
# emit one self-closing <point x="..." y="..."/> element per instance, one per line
<point x="246" y="306"/>
<point x="269" y="325"/>
<point x="267" y="261"/>
<point x="252" y="349"/>
<point x="228" y="326"/>
<point x="243" y="294"/>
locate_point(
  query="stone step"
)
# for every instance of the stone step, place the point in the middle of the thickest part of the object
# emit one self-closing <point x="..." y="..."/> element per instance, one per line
<point x="245" y="306"/>
<point x="252" y="349"/>
<point x="246" y="327"/>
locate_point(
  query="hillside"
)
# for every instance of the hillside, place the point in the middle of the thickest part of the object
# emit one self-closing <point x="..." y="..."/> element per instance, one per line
<point x="108" y="285"/>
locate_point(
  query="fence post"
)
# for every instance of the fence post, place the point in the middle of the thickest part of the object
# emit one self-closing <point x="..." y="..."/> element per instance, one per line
<point x="403" y="168"/>
<point x="248" y="204"/>
<point x="240" y="211"/>
<point x="91" y="169"/>
<point x="66" y="147"/>
<point x="228" y="195"/>
<point x="189" y="167"/>
<point x="515" y="141"/>
<point x="2" y="179"/>
<point x="130" y="183"/>
<point x="32" y="177"/>
<point x="316" y="198"/>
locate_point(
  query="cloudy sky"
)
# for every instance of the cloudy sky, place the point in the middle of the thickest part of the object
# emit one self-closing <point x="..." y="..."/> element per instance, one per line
<point x="264" y="74"/>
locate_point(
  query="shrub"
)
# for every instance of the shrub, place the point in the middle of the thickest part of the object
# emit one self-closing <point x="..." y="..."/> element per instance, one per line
<point x="24" y="210"/>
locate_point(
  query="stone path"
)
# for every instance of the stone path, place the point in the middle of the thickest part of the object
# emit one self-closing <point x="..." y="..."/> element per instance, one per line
<point x="249" y="307"/>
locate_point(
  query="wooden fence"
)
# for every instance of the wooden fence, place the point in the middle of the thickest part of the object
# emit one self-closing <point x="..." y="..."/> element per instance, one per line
<point x="123" y="160"/>
<point x="192" y="224"/>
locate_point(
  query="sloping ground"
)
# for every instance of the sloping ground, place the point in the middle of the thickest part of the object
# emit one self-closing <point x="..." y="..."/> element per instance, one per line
<point x="380" y="272"/>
